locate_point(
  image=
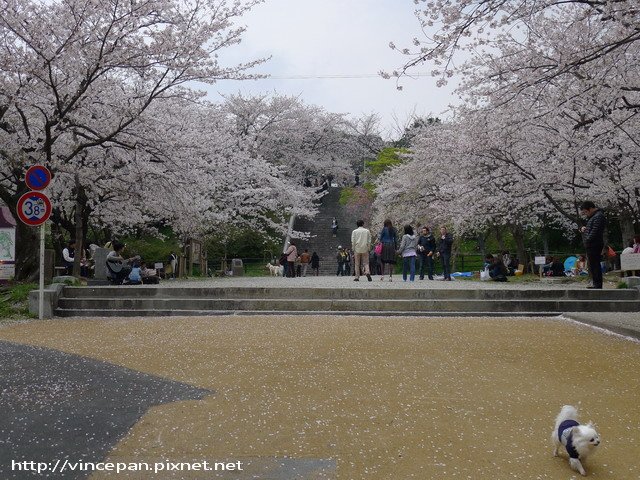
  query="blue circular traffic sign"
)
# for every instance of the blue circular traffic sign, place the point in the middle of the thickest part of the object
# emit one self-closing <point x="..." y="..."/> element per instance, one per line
<point x="37" y="177"/>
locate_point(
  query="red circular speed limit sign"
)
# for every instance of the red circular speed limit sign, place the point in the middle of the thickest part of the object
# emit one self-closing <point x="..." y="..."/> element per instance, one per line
<point x="34" y="208"/>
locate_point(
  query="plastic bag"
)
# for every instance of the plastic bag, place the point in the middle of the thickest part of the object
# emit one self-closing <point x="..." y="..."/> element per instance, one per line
<point x="484" y="274"/>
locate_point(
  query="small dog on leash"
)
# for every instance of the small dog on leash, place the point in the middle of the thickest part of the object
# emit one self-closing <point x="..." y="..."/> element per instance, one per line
<point x="579" y="440"/>
<point x="275" y="270"/>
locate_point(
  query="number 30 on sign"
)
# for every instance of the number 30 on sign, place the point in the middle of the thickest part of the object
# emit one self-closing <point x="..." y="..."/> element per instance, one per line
<point x="34" y="208"/>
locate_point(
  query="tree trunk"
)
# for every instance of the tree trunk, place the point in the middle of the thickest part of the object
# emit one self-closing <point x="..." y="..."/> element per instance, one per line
<point x="545" y="241"/>
<point x="57" y="238"/>
<point x="627" y="228"/>
<point x="78" y="228"/>
<point x="482" y="245"/>
<point x="500" y="239"/>
<point x="27" y="248"/>
<point x="518" y="236"/>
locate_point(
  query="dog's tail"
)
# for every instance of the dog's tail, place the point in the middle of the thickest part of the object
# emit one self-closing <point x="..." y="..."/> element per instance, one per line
<point x="568" y="412"/>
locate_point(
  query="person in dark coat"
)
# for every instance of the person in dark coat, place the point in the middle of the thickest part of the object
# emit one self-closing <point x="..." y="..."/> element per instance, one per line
<point x="497" y="270"/>
<point x="444" y="250"/>
<point x="593" y="238"/>
<point x="389" y="239"/>
<point x="426" y="251"/>
<point x="315" y="264"/>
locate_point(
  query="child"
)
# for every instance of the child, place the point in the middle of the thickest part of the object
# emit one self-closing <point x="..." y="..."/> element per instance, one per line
<point x="135" y="276"/>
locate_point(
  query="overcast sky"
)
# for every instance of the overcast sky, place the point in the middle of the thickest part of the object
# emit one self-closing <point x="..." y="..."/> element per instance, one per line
<point x="342" y="38"/>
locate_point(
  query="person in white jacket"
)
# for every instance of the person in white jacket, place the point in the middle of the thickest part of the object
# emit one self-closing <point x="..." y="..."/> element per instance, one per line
<point x="361" y="244"/>
<point x="407" y="250"/>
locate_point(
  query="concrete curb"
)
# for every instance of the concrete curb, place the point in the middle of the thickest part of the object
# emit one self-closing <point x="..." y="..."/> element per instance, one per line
<point x="52" y="294"/>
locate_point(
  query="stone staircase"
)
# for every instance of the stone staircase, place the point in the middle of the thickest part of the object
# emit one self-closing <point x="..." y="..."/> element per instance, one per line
<point x="322" y="240"/>
<point x="146" y="300"/>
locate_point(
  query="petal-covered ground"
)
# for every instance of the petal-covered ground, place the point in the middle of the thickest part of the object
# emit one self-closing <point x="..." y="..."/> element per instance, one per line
<point x="365" y="397"/>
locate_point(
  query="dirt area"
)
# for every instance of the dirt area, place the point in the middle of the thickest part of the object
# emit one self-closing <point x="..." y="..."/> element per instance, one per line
<point x="378" y="398"/>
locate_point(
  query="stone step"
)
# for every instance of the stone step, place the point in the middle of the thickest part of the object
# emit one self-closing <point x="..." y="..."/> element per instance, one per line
<point x="293" y="293"/>
<point x="322" y="240"/>
<point x="190" y="313"/>
<point x="376" y="300"/>
<point x="175" y="306"/>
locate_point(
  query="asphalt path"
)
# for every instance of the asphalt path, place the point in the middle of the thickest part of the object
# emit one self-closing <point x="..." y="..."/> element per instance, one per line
<point x="56" y="406"/>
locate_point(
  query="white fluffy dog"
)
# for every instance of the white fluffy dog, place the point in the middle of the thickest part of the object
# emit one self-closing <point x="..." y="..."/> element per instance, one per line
<point x="579" y="440"/>
<point x="275" y="270"/>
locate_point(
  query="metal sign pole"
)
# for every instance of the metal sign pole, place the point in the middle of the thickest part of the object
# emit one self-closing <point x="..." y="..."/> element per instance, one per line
<point x="41" y="296"/>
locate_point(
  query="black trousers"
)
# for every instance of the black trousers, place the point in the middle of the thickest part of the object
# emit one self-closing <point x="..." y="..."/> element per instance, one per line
<point x="594" y="257"/>
<point x="426" y="261"/>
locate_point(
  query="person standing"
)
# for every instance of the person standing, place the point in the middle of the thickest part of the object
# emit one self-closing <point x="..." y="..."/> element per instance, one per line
<point x="334" y="226"/>
<point x="389" y="239"/>
<point x="292" y="254"/>
<point x="407" y="251"/>
<point x="361" y="244"/>
<point x="315" y="264"/>
<point x="172" y="261"/>
<point x="426" y="250"/>
<point x="341" y="257"/>
<point x="283" y="263"/>
<point x="593" y="238"/>
<point x="444" y="250"/>
<point x="305" y="258"/>
<point x="347" y="261"/>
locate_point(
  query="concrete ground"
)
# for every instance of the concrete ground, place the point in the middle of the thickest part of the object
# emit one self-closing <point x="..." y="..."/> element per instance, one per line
<point x="366" y="397"/>
<point x="397" y="283"/>
<point x="626" y="323"/>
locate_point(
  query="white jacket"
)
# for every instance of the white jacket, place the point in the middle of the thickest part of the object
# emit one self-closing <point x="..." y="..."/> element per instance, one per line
<point x="361" y="240"/>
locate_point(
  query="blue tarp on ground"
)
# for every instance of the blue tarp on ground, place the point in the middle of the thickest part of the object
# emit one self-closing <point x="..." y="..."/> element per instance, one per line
<point x="462" y="274"/>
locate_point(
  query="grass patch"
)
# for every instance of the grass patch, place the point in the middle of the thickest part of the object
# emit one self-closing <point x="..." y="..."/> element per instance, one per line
<point x="14" y="300"/>
<point x="255" y="270"/>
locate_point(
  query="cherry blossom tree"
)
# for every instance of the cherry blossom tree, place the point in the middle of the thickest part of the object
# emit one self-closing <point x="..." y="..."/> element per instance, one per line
<point x="545" y="122"/>
<point x="186" y="168"/>
<point x="456" y="29"/>
<point x="76" y="75"/>
<point x="306" y="140"/>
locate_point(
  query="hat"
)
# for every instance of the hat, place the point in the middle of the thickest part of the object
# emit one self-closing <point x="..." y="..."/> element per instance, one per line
<point x="339" y="247"/>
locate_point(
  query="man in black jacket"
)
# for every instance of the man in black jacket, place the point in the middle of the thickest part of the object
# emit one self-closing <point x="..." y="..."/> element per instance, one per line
<point x="426" y="251"/>
<point x="444" y="250"/>
<point x="593" y="238"/>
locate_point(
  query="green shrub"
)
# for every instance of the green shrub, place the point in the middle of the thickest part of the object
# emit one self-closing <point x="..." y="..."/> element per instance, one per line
<point x="151" y="249"/>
